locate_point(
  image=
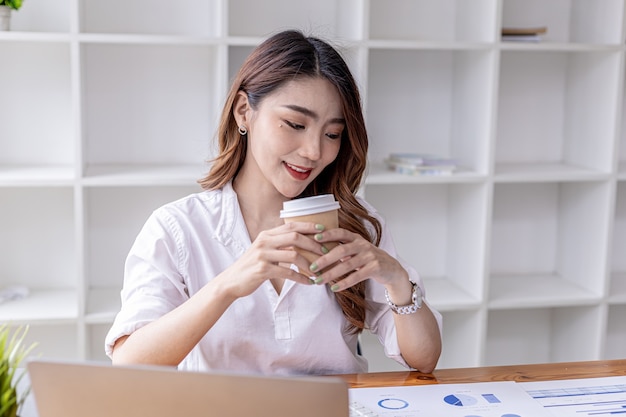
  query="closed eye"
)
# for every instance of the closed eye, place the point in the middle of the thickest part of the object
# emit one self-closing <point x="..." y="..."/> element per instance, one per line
<point x="295" y="126"/>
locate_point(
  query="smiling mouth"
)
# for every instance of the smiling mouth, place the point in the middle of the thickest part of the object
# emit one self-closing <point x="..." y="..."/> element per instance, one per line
<point x="298" y="172"/>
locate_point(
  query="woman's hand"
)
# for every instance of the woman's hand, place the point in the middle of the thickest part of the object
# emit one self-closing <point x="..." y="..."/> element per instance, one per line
<point x="271" y="256"/>
<point x="357" y="259"/>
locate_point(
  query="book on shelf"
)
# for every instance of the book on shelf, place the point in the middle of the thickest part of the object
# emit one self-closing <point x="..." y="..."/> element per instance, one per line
<point x="531" y="34"/>
<point x="420" y="164"/>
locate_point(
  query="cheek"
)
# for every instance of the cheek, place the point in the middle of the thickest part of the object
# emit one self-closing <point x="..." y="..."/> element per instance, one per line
<point x="274" y="137"/>
<point x="264" y="140"/>
<point x="331" y="151"/>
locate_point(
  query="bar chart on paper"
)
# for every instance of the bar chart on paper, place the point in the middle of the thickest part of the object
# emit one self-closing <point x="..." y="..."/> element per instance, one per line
<point x="581" y="397"/>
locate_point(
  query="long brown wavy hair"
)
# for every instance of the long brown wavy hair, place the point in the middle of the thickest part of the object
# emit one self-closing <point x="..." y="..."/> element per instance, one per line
<point x="283" y="57"/>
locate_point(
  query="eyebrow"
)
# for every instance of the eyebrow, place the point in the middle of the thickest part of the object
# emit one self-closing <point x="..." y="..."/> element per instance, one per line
<point x="310" y="113"/>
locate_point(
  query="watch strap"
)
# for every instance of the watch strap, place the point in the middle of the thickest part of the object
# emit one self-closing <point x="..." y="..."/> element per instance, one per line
<point x="416" y="301"/>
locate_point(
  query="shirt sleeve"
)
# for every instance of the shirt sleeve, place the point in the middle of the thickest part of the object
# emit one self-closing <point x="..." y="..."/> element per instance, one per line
<point x="379" y="318"/>
<point x="153" y="284"/>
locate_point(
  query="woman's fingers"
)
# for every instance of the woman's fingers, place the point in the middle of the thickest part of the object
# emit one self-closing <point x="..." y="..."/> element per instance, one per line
<point x="274" y="251"/>
<point x="353" y="261"/>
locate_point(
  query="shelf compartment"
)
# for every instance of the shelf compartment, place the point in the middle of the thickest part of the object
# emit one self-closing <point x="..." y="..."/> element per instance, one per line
<point x="111" y="229"/>
<point x="556" y="47"/>
<point x="621" y="154"/>
<point x="43" y="16"/>
<point x="543" y="335"/>
<point x="35" y="251"/>
<point x="570" y="21"/>
<point x="557" y="108"/>
<point x="446" y="295"/>
<point x="525" y="291"/>
<point x="37" y="175"/>
<point x="54" y="341"/>
<point x="442" y="104"/>
<point x="550" y="238"/>
<point x="618" y="249"/>
<point x="148" y="39"/>
<point x="420" y="45"/>
<point x="439" y="230"/>
<point x="325" y="18"/>
<point x="103" y="304"/>
<point x="32" y="37"/>
<point x="379" y="174"/>
<point x="143" y="175"/>
<point x="617" y="289"/>
<point x="151" y="105"/>
<point x="45" y="306"/>
<point x="463" y="333"/>
<point x="236" y="57"/>
<point x="96" y="334"/>
<point x="187" y="17"/>
<point x="447" y="20"/>
<point x="37" y="123"/>
<point x="545" y="171"/>
<point x="616" y="333"/>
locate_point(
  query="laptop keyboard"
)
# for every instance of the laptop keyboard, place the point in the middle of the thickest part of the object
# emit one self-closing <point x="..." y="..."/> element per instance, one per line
<point x="359" y="410"/>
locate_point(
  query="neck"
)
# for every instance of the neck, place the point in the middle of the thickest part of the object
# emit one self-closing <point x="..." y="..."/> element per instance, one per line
<point x="259" y="205"/>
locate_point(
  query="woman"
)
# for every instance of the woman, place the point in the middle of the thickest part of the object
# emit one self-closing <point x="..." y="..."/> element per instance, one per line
<point x="212" y="281"/>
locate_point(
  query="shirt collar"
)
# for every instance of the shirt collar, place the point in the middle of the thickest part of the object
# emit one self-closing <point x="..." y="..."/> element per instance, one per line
<point x="230" y="213"/>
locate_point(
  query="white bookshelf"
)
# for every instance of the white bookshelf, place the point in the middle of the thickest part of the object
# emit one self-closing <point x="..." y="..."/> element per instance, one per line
<point x="109" y="110"/>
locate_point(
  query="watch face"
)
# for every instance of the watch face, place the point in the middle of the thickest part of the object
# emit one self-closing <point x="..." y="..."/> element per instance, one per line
<point x="420" y="298"/>
<point x="417" y="295"/>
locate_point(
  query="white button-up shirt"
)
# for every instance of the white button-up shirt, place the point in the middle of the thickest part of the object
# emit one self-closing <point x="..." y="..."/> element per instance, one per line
<point x="302" y="330"/>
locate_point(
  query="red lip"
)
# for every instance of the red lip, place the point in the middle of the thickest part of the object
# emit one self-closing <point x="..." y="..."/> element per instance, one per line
<point x="300" y="174"/>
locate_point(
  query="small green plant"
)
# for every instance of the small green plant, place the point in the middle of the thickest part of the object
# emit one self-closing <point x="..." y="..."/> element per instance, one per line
<point x="12" y="4"/>
<point x="12" y="353"/>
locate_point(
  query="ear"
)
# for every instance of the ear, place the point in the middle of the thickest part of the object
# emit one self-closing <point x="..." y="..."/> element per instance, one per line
<point x="241" y="109"/>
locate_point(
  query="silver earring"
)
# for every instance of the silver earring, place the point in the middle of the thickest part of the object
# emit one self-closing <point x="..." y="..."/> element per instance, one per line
<point x="242" y="131"/>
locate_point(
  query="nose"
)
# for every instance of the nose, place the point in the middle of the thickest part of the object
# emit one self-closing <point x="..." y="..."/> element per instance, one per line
<point x="311" y="147"/>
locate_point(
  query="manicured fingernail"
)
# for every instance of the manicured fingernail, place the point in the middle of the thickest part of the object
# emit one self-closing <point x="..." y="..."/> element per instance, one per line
<point x="319" y="226"/>
<point x="324" y="249"/>
<point x="335" y="288"/>
<point x="318" y="280"/>
<point x="318" y="236"/>
<point x="313" y="267"/>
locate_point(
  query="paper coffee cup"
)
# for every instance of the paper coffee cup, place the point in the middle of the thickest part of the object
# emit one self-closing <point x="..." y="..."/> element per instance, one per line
<point x="319" y="209"/>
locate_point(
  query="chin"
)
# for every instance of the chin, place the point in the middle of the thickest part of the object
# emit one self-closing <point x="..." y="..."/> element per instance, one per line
<point x="291" y="192"/>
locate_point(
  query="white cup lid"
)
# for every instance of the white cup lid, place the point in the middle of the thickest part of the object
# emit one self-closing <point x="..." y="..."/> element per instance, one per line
<point x="309" y="205"/>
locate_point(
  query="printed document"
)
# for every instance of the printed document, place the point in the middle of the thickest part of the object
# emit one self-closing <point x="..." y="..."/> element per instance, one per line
<point x="604" y="396"/>
<point x="480" y="399"/>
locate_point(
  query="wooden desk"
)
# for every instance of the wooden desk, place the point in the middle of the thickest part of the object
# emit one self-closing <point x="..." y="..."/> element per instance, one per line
<point x="518" y="373"/>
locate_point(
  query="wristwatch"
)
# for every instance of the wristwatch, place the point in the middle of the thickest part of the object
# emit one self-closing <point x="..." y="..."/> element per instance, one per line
<point x="416" y="301"/>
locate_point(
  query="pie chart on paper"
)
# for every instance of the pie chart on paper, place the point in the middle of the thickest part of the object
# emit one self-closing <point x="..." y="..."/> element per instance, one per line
<point x="460" y="400"/>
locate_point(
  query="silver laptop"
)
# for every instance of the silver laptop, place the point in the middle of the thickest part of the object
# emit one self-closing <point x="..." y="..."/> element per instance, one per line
<point x="83" y="389"/>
